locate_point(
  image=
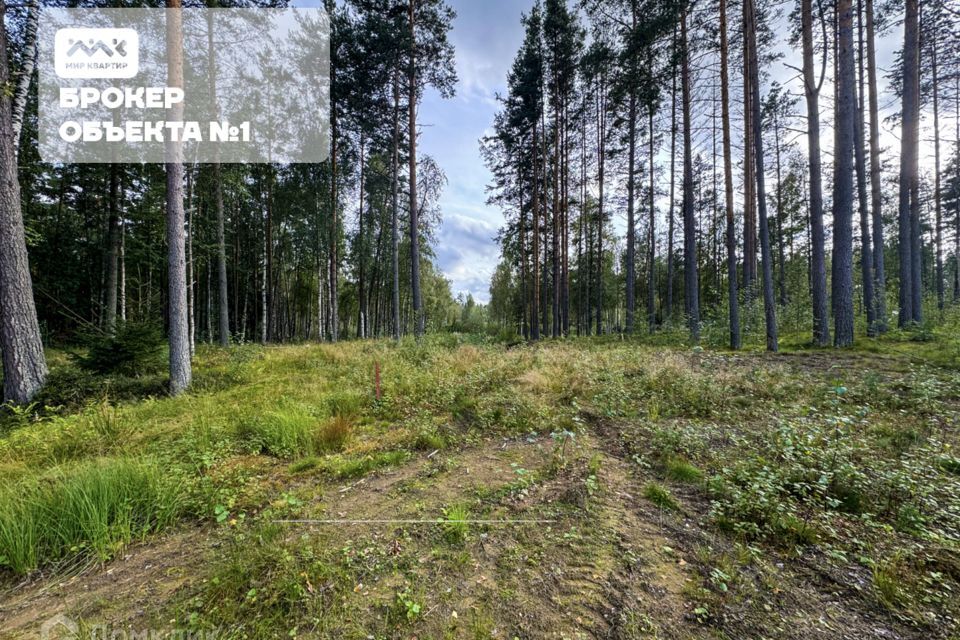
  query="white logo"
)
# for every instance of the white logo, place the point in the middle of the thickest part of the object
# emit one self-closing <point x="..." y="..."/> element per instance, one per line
<point x="97" y="53"/>
<point x="59" y="626"/>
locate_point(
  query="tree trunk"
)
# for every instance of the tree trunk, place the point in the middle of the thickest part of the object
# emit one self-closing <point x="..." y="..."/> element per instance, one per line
<point x="223" y="298"/>
<point x="769" y="303"/>
<point x="843" y="180"/>
<point x="818" y="265"/>
<point x="652" y="241"/>
<point x="191" y="281"/>
<point x="418" y="317"/>
<point x="690" y="267"/>
<point x="123" y="271"/>
<point x="24" y="365"/>
<point x="113" y="252"/>
<point x="909" y="163"/>
<point x="876" y="186"/>
<point x="938" y="205"/>
<point x="601" y="184"/>
<point x="733" y="293"/>
<point x="395" y="210"/>
<point x="671" y="264"/>
<point x="22" y="92"/>
<point x="866" y="255"/>
<point x="180" y="367"/>
<point x="749" y="180"/>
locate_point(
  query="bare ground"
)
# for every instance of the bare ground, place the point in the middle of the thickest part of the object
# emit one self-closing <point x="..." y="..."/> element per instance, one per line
<point x="609" y="564"/>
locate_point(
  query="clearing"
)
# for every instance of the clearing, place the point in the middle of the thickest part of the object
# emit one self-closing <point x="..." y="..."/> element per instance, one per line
<point x="583" y="489"/>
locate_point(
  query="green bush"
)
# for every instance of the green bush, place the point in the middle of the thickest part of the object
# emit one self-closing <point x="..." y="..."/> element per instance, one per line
<point x="134" y="349"/>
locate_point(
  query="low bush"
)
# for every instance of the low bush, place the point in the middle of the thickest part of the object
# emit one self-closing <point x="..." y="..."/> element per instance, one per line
<point x="134" y="349"/>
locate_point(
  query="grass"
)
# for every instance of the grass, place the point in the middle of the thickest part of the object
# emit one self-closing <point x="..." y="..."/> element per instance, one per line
<point x="89" y="509"/>
<point x="786" y="456"/>
<point x="455" y="526"/>
<point x="660" y="496"/>
<point x="679" y="470"/>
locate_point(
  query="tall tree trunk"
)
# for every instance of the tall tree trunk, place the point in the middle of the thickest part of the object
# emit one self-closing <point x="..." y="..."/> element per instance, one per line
<point x="22" y="92"/>
<point x="395" y="210"/>
<point x="333" y="271"/>
<point x="24" y="365"/>
<point x="555" y="236"/>
<point x="535" y="299"/>
<point x="191" y="281"/>
<point x="223" y="298"/>
<point x="769" y="303"/>
<point x="601" y="184"/>
<point x="652" y="239"/>
<point x="362" y="311"/>
<point x="818" y="264"/>
<point x="631" y="258"/>
<point x="749" y="168"/>
<point x="938" y="203"/>
<point x="781" y="262"/>
<point x="866" y="255"/>
<point x="180" y="368"/>
<point x="690" y="267"/>
<point x="843" y="180"/>
<point x="671" y="264"/>
<point x="123" y="271"/>
<point x="418" y="317"/>
<point x="909" y="164"/>
<point x="732" y="292"/>
<point x="113" y="252"/>
<point x="876" y="186"/>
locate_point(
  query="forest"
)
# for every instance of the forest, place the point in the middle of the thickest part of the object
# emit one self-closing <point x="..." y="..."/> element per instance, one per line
<point x="713" y="390"/>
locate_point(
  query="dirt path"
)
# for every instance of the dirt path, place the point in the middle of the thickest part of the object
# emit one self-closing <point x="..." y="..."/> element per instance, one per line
<point x="583" y="555"/>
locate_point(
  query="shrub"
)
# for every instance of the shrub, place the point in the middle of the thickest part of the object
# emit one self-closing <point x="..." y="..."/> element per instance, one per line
<point x="90" y="509"/>
<point x="134" y="350"/>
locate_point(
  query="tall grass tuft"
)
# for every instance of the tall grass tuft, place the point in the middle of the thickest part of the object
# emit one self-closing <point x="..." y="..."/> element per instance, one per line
<point x="287" y="433"/>
<point x="89" y="509"/>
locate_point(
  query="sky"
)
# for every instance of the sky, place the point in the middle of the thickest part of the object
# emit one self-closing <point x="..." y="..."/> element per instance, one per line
<point x="486" y="35"/>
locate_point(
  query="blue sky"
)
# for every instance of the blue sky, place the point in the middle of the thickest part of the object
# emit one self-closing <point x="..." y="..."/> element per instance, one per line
<point x="487" y="34"/>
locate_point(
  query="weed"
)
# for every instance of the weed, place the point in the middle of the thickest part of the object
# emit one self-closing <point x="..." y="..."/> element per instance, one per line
<point x="334" y="434"/>
<point x="429" y="441"/>
<point x="660" y="496"/>
<point x="455" y="526"/>
<point x="679" y="470"/>
<point x="304" y="465"/>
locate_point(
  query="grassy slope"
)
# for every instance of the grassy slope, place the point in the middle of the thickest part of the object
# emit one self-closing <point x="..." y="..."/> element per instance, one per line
<point x="688" y="494"/>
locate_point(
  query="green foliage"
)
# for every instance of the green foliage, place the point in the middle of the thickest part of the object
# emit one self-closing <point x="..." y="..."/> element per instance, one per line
<point x="455" y="525"/>
<point x="679" y="470"/>
<point x="133" y="350"/>
<point x="93" y="508"/>
<point x="660" y="496"/>
<point x="287" y="433"/>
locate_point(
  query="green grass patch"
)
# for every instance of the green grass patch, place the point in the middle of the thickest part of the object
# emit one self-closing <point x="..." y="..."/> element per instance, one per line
<point x="679" y="470"/>
<point x="660" y="496"/>
<point x="90" y="509"/>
